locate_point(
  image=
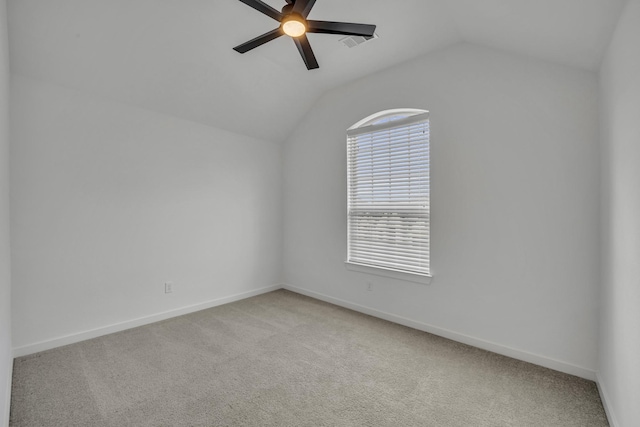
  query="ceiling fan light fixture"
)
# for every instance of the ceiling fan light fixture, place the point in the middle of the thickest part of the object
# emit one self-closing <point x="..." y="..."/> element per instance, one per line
<point x="293" y="23"/>
<point x="294" y="26"/>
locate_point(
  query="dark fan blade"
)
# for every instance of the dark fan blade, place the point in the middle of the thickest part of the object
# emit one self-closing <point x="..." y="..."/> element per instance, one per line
<point x="303" y="7"/>
<point x="304" y="48"/>
<point x="264" y="8"/>
<point x="258" y="41"/>
<point x="345" y="28"/>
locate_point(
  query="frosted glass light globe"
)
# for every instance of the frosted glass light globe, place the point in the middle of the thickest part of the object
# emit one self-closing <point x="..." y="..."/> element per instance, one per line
<point x="294" y="28"/>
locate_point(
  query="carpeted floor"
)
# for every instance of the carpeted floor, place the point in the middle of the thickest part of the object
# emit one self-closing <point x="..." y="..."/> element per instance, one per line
<point x="282" y="359"/>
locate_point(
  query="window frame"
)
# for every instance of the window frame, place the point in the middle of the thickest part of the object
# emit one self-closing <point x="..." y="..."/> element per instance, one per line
<point x="389" y="120"/>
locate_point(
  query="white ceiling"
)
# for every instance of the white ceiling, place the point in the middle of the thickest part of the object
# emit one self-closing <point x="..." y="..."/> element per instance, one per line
<point x="176" y="57"/>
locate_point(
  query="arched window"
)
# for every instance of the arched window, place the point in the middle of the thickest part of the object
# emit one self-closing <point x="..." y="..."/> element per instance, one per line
<point x="388" y="191"/>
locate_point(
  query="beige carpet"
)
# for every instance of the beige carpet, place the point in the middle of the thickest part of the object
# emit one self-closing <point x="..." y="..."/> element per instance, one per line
<point x="282" y="359"/>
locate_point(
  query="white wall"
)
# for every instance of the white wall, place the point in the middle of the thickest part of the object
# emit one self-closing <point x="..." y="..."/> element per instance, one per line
<point x="6" y="358"/>
<point x="619" y="367"/>
<point x="514" y="203"/>
<point x="110" y="201"/>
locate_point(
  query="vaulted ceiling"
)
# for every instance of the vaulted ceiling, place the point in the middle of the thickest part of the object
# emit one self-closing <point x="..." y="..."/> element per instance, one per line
<point x="176" y="57"/>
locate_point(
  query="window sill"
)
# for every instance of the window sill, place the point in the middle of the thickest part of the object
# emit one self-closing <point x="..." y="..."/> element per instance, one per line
<point x="422" y="279"/>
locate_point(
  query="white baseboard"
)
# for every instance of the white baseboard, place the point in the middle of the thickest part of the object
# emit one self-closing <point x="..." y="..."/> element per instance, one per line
<point x="455" y="336"/>
<point x="525" y="356"/>
<point x="117" y="327"/>
<point x="606" y="402"/>
<point x="7" y="403"/>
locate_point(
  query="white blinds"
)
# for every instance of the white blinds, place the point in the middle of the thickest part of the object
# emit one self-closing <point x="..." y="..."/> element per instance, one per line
<point x="388" y="194"/>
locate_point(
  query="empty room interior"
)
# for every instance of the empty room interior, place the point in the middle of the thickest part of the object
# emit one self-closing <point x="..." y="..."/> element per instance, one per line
<point x="310" y="213"/>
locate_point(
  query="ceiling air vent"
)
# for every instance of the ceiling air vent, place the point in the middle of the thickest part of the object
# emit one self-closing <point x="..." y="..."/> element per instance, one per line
<point x="353" y="41"/>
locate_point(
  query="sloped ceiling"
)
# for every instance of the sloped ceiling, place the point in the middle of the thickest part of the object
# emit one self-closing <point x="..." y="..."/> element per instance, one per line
<point x="176" y="57"/>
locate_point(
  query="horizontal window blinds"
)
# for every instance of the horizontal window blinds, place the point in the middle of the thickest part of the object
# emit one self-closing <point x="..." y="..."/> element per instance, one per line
<point x="388" y="194"/>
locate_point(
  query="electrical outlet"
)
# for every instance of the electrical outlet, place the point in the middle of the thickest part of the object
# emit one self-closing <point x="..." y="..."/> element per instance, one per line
<point x="168" y="287"/>
<point x="369" y="286"/>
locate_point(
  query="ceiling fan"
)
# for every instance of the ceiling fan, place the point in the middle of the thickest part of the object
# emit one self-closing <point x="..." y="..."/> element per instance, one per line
<point x="294" y="23"/>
